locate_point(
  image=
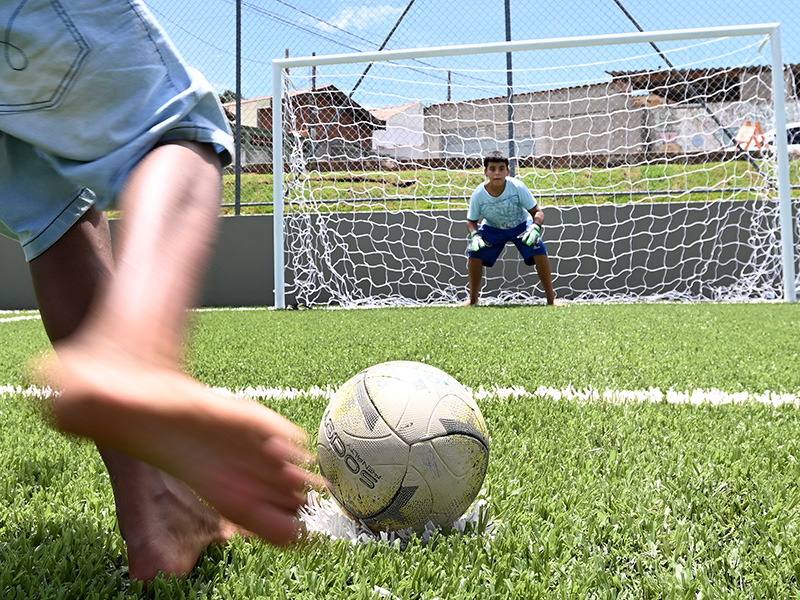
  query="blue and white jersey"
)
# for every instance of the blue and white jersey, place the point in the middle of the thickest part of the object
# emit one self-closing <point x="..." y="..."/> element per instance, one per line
<point x="507" y="210"/>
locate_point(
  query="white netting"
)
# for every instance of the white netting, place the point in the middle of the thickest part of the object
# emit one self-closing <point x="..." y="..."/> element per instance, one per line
<point x="654" y="166"/>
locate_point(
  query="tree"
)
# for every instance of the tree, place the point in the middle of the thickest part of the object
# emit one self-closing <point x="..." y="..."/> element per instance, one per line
<point x="227" y="96"/>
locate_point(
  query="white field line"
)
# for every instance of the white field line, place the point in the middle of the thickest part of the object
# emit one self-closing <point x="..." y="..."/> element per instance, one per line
<point x="19" y="318"/>
<point x="322" y="515"/>
<point x="8" y="316"/>
<point x="581" y="395"/>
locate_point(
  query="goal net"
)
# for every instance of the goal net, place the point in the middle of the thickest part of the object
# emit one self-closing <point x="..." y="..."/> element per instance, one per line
<point x="653" y="156"/>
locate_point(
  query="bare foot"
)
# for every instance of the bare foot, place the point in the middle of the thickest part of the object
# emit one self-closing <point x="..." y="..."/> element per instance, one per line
<point x="239" y="456"/>
<point x="164" y="524"/>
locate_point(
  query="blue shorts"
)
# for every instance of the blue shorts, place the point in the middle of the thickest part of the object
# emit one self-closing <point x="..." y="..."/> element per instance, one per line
<point x="497" y="239"/>
<point x="87" y="89"/>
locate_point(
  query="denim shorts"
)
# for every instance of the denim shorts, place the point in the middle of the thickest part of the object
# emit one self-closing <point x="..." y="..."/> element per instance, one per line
<point x="87" y="89"/>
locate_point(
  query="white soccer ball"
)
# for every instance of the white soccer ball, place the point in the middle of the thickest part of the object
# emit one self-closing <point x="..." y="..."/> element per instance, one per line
<point x="403" y="443"/>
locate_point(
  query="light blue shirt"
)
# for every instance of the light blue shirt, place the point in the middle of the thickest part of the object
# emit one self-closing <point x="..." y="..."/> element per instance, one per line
<point x="507" y="210"/>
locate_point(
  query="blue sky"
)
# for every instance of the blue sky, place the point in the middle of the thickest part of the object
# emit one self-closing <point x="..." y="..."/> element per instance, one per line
<point x="204" y="30"/>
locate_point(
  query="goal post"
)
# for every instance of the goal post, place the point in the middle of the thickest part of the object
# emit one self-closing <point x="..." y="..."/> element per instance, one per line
<point x="784" y="184"/>
<point x="651" y="196"/>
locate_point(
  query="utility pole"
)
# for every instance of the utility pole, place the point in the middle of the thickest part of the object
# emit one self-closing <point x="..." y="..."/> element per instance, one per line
<point x="238" y="121"/>
<point x="512" y="160"/>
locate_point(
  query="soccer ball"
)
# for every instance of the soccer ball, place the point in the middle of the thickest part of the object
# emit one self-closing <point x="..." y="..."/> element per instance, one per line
<point x="403" y="443"/>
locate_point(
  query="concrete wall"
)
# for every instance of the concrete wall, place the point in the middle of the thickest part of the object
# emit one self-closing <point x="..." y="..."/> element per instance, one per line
<point x="647" y="249"/>
<point x="240" y="273"/>
<point x="16" y="290"/>
<point x="668" y="250"/>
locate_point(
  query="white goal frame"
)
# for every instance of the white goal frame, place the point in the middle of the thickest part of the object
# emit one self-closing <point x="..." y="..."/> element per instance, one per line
<point x="770" y="30"/>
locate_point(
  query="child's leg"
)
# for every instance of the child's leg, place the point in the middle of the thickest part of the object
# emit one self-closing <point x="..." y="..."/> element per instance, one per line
<point x="546" y="277"/>
<point x="165" y="525"/>
<point x="475" y="272"/>
<point x="170" y="207"/>
<point x="119" y="371"/>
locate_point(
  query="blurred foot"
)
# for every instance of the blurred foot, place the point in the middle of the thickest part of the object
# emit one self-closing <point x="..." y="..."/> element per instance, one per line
<point x="165" y="525"/>
<point x="239" y="456"/>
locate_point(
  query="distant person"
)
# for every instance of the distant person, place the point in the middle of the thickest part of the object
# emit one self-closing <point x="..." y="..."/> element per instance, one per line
<point x="510" y="214"/>
<point x="98" y="110"/>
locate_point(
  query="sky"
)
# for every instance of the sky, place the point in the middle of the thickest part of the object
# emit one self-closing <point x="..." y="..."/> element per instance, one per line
<point x="205" y="33"/>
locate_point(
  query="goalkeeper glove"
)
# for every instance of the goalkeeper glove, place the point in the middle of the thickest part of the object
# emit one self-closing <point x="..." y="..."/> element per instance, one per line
<point x="476" y="241"/>
<point x="532" y="236"/>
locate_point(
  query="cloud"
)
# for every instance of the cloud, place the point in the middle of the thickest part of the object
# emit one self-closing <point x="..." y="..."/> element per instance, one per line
<point x="361" y="18"/>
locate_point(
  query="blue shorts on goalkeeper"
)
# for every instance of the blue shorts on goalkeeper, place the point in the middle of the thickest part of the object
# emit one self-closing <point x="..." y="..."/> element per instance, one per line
<point x="496" y="240"/>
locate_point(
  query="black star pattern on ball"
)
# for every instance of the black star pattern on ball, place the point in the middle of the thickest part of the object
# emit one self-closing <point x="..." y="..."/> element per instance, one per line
<point x="401" y="499"/>
<point x="368" y="410"/>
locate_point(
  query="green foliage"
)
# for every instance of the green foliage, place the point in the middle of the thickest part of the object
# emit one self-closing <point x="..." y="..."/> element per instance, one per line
<point x="587" y="500"/>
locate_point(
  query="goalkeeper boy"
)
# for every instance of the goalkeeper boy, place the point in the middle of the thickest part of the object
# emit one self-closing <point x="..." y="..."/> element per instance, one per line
<point x="510" y="214"/>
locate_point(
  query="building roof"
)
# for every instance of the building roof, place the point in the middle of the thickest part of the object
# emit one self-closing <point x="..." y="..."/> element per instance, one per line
<point x="390" y="111"/>
<point x="520" y="95"/>
<point x="714" y="84"/>
<point x="337" y="97"/>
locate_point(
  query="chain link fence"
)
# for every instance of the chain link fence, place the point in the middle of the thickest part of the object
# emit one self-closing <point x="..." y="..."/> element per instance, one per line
<point x="234" y="41"/>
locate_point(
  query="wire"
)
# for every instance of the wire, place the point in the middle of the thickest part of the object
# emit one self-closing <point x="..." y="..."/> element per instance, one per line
<point x="163" y="17"/>
<point x="310" y="30"/>
<point x="272" y="15"/>
<point x="324" y="22"/>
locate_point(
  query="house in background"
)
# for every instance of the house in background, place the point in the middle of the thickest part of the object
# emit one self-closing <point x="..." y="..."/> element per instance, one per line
<point x="635" y="113"/>
<point x="591" y="119"/>
<point x="325" y="121"/>
<point x="704" y="110"/>
<point x="328" y="124"/>
<point x="404" y="135"/>
<point x="670" y="112"/>
<point x="256" y="142"/>
<point x="250" y="107"/>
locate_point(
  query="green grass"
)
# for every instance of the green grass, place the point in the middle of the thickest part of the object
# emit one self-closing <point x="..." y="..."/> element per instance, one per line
<point x="448" y="189"/>
<point x="589" y="499"/>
